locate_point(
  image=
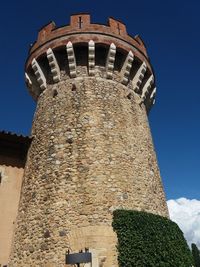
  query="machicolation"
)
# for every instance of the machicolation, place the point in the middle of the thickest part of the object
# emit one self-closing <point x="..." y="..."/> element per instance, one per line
<point x="105" y="51"/>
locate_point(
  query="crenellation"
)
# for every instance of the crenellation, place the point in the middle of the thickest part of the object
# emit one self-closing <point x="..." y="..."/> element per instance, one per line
<point x="45" y="32"/>
<point x="117" y="26"/>
<point x="82" y="23"/>
<point x="52" y="39"/>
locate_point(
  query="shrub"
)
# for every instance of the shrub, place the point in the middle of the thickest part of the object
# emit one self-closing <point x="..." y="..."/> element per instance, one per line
<point x="148" y="240"/>
<point x="196" y="255"/>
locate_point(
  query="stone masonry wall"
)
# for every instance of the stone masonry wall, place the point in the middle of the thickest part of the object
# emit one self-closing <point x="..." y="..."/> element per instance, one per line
<point x="91" y="153"/>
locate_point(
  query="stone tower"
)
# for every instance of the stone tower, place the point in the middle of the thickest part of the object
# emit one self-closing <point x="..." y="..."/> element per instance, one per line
<point x="92" y="150"/>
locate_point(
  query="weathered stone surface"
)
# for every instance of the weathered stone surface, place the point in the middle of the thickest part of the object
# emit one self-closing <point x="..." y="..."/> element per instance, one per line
<point x="92" y="150"/>
<point x="110" y="164"/>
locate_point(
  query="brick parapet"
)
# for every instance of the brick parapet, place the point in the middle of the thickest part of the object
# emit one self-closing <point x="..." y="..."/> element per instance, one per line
<point x="81" y="23"/>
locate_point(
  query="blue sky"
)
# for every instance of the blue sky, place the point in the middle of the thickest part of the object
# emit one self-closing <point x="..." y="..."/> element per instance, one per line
<point x="170" y="30"/>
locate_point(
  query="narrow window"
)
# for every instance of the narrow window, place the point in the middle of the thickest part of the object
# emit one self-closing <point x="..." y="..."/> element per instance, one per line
<point x="118" y="27"/>
<point x="80" y="22"/>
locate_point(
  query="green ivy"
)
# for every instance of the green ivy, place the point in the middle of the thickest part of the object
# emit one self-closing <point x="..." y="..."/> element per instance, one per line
<point x="148" y="240"/>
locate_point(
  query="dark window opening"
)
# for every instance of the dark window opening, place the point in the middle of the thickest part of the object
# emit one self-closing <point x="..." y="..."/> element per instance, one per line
<point x="135" y="67"/>
<point x="80" y="22"/>
<point x="119" y="60"/>
<point x="101" y="53"/>
<point x="81" y="54"/>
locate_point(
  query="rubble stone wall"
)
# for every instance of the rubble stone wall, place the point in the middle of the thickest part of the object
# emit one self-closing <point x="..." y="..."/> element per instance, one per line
<point x="92" y="152"/>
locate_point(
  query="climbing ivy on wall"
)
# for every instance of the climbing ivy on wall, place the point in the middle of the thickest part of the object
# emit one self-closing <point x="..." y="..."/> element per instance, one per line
<point x="148" y="240"/>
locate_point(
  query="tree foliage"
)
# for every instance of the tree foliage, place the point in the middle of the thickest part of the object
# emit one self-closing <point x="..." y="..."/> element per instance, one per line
<point x="148" y="240"/>
<point x="196" y="255"/>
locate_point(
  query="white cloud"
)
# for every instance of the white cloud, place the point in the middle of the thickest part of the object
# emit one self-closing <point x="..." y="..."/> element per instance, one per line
<point x="186" y="213"/>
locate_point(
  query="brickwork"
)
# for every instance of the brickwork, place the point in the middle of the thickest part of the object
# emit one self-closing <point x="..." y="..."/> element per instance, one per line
<point x="91" y="153"/>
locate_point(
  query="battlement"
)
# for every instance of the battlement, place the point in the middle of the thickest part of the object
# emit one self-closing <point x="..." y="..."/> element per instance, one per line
<point x="82" y="23"/>
<point x="82" y="43"/>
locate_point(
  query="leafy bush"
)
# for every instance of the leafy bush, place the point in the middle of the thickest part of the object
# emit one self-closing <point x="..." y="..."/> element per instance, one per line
<point x="196" y="255"/>
<point x="148" y="240"/>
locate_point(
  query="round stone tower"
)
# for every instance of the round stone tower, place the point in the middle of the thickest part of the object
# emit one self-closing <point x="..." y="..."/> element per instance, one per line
<point x="92" y="150"/>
